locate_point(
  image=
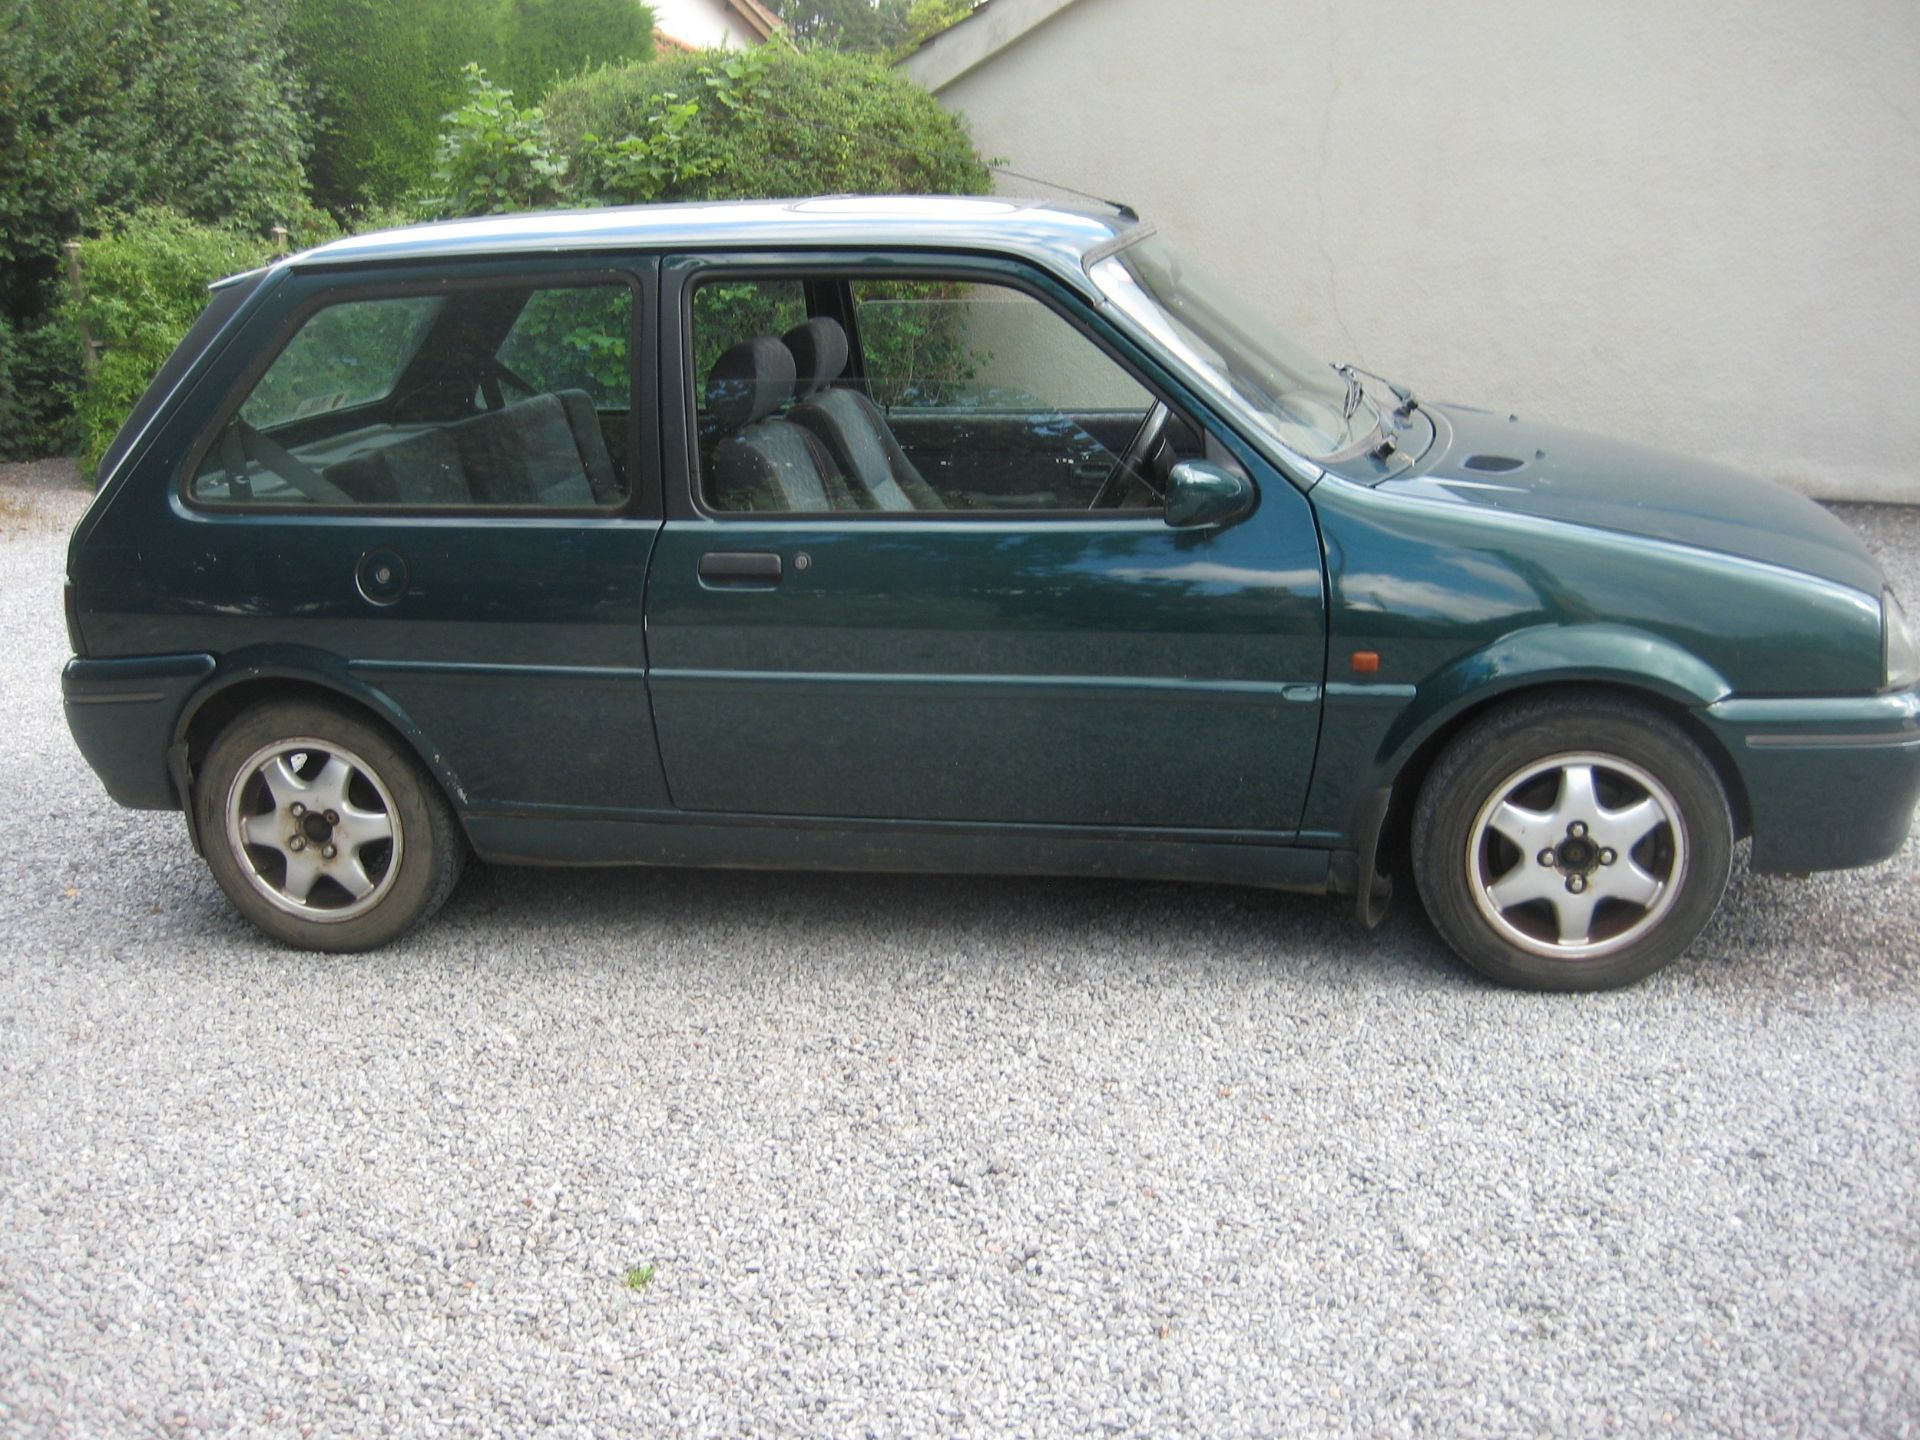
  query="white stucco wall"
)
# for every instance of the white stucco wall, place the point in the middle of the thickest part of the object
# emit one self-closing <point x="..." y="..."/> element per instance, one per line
<point x="703" y="24"/>
<point x="1696" y="223"/>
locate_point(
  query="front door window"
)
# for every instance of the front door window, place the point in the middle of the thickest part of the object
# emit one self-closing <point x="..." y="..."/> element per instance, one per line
<point x="968" y="397"/>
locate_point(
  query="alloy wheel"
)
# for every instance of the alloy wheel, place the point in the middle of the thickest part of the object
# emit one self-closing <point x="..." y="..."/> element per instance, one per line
<point x="1576" y="856"/>
<point x="315" y="829"/>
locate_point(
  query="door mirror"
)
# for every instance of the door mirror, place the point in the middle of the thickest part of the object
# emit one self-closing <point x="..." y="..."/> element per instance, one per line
<point x="1200" y="493"/>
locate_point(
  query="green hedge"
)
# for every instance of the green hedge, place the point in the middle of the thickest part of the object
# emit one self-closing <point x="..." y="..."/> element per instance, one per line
<point x="110" y="105"/>
<point x="801" y="123"/>
<point x="39" y="373"/>
<point x="383" y="75"/>
<point x="10" y="416"/>
<point x="145" y="283"/>
<point x="714" y="125"/>
<point x="545" y="41"/>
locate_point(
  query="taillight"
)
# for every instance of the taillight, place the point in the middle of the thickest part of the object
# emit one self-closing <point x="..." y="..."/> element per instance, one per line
<point x="73" y="623"/>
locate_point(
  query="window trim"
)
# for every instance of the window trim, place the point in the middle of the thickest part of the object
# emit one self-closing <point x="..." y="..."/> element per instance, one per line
<point x="637" y="274"/>
<point x="682" y="274"/>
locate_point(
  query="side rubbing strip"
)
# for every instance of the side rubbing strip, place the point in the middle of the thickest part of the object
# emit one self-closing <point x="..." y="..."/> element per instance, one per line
<point x="1825" y="742"/>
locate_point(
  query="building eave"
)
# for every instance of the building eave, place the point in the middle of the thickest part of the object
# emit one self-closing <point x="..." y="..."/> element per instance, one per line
<point x="993" y="27"/>
<point x="759" y="19"/>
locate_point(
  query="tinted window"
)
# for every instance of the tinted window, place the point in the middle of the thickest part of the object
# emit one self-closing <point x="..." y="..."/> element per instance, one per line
<point x="490" y="396"/>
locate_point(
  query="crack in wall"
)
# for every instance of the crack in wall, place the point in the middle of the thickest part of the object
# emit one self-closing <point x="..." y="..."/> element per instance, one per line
<point x="1320" y="181"/>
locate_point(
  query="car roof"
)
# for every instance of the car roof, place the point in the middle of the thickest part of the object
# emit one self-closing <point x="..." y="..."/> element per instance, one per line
<point x="1042" y="230"/>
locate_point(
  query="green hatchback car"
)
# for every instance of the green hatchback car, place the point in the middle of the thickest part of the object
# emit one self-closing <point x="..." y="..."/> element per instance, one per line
<point x="951" y="535"/>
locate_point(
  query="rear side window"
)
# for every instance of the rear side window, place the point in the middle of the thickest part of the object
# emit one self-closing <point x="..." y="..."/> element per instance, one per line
<point x="490" y="397"/>
<point x="573" y="340"/>
<point x="345" y="356"/>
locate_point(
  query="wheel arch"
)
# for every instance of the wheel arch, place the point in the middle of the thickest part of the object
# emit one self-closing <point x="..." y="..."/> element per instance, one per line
<point x="1618" y="662"/>
<point x="1410" y="769"/>
<point x="241" y="683"/>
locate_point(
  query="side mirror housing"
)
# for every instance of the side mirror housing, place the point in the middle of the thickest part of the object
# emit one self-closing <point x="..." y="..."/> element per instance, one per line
<point x="1201" y="494"/>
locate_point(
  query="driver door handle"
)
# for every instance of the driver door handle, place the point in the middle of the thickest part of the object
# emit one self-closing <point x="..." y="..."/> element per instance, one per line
<point x="740" y="568"/>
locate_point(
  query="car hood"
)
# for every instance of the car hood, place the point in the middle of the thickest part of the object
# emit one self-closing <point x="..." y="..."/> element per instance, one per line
<point x="1504" y="463"/>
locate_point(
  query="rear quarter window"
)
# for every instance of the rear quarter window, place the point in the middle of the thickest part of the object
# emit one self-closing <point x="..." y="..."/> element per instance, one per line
<point x="482" y="396"/>
<point x="347" y="355"/>
<point x="573" y="339"/>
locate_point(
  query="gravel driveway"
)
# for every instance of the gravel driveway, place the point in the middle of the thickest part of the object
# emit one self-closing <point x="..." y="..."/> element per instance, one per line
<point x="760" y="1154"/>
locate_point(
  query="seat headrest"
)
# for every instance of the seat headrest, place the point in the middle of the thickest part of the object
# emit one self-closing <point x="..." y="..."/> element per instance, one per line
<point x="749" y="382"/>
<point x="819" y="349"/>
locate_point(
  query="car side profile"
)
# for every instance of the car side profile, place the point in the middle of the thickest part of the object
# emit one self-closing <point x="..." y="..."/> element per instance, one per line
<point x="963" y="534"/>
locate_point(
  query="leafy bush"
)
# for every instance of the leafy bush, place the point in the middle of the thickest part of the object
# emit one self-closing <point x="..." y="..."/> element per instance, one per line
<point x="13" y="422"/>
<point x="867" y="27"/>
<point x="637" y="168"/>
<point x="60" y="106"/>
<point x="39" y="370"/>
<point x="145" y="283"/>
<point x="771" y="122"/>
<point x="222" y="139"/>
<point x="494" y="156"/>
<point x="379" y="77"/>
<point x="109" y="104"/>
<point x="383" y="76"/>
<point x="116" y="104"/>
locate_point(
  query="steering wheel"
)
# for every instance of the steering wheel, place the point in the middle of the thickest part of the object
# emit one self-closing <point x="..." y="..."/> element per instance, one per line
<point x="1133" y="461"/>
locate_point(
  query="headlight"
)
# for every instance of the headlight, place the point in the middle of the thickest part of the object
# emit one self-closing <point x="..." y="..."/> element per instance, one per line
<point x="1902" y="655"/>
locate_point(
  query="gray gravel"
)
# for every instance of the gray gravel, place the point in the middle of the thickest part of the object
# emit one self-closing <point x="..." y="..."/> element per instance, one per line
<point x="923" y="1156"/>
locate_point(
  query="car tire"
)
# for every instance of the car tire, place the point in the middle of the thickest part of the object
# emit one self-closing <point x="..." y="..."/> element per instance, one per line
<point x="1571" y="844"/>
<point x="323" y="829"/>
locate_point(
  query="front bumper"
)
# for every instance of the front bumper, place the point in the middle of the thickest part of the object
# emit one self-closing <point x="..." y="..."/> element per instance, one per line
<point x="1831" y="783"/>
<point x="123" y="714"/>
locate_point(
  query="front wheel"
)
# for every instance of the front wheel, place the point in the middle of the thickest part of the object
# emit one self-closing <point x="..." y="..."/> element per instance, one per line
<point x="1572" y="845"/>
<point x="322" y="830"/>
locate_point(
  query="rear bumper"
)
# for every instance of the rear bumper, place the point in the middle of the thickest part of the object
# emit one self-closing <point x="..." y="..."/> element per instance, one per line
<point x="123" y="714"/>
<point x="1831" y="783"/>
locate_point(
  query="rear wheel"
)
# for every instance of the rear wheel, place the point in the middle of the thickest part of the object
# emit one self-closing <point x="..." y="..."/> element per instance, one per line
<point x="1572" y="844"/>
<point x="322" y="830"/>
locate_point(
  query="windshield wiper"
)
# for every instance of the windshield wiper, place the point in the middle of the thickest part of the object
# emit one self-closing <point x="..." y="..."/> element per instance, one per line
<point x="1401" y="393"/>
<point x="1355" y="391"/>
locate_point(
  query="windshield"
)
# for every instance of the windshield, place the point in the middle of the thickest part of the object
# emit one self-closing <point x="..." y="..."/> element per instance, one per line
<point x="1301" y="401"/>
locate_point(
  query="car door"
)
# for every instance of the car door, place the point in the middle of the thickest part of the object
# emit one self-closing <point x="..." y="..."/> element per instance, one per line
<point x="998" y="652"/>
